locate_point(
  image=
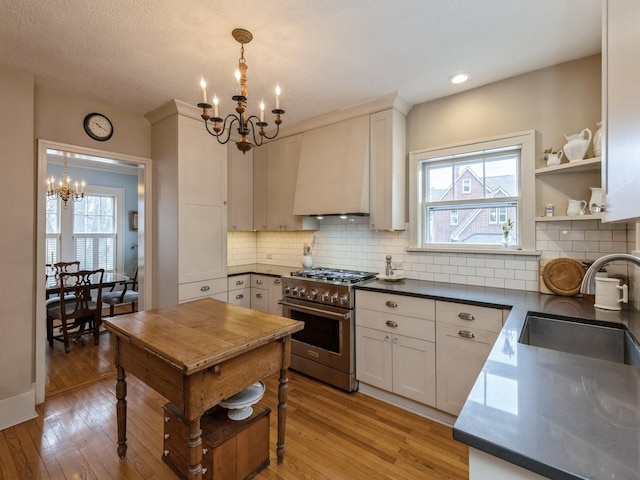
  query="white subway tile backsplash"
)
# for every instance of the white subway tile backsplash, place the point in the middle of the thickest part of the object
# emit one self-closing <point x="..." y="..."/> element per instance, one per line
<point x="351" y="245"/>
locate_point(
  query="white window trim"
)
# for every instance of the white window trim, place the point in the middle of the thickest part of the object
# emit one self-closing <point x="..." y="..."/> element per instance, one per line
<point x="530" y="145"/>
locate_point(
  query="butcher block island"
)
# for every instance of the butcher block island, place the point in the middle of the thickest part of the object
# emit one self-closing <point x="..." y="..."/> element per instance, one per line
<point x="197" y="354"/>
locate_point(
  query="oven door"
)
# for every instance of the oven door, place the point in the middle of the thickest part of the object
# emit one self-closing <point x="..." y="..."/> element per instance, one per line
<point x="327" y="337"/>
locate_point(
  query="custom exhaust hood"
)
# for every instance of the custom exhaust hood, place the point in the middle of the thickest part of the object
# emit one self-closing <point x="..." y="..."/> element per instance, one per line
<point x="333" y="173"/>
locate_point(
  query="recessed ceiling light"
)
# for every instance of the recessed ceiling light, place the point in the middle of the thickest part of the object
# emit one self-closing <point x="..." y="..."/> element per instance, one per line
<point x="459" y="78"/>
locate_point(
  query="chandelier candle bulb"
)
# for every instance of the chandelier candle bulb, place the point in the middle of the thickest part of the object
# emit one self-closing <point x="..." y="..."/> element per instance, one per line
<point x="203" y="85"/>
<point x="215" y="105"/>
<point x="237" y="74"/>
<point x="262" y="110"/>
<point x="278" y="97"/>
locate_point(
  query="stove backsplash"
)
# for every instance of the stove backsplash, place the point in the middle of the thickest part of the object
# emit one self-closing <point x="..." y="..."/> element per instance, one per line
<point x="349" y="244"/>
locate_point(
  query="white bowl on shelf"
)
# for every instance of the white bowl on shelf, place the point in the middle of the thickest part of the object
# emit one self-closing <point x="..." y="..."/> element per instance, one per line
<point x="240" y="404"/>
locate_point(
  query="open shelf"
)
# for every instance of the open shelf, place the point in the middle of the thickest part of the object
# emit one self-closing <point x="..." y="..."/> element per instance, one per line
<point x="572" y="167"/>
<point x="562" y="218"/>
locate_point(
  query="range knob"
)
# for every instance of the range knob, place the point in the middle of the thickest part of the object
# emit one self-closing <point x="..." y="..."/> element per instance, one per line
<point x="325" y="297"/>
<point x="287" y="289"/>
<point x="334" y="298"/>
<point x="344" y="299"/>
<point x="294" y="291"/>
<point x="302" y="292"/>
<point x="312" y="295"/>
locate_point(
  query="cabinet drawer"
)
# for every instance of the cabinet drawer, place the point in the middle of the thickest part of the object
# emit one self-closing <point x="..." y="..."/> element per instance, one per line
<point x="261" y="281"/>
<point x="203" y="289"/>
<point x="398" y="324"/>
<point x="238" y="281"/>
<point x="240" y="297"/>
<point x="471" y="316"/>
<point x="396" y="304"/>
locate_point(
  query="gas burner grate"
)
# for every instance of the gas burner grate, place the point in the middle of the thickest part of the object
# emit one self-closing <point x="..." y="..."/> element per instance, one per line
<point x="334" y="275"/>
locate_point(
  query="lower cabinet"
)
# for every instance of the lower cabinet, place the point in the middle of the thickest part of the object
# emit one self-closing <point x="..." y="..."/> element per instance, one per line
<point x="240" y="290"/>
<point x="395" y="349"/>
<point x="214" y="288"/>
<point x="465" y="335"/>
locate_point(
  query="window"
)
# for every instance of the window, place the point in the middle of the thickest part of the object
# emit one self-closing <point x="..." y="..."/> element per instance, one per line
<point x="87" y="230"/>
<point x="447" y="212"/>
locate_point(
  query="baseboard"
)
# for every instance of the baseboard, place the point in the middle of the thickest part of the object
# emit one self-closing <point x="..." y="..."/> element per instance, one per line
<point x="409" y="405"/>
<point x="18" y="409"/>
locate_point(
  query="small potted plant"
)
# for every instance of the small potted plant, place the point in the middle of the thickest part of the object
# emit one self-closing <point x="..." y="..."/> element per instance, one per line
<point x="506" y="232"/>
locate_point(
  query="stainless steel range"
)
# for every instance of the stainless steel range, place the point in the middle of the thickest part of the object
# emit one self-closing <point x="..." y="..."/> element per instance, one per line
<point x="323" y="299"/>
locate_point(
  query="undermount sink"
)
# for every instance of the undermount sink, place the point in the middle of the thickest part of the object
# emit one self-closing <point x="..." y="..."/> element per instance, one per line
<point x="611" y="342"/>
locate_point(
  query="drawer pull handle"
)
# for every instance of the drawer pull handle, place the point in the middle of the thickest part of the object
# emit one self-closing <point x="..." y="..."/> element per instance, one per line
<point x="391" y="304"/>
<point x="391" y="323"/>
<point x="204" y="452"/>
<point x="166" y="435"/>
<point x="166" y="453"/>
<point x="240" y="282"/>
<point x="466" y="334"/>
<point x="240" y="296"/>
<point x="205" y="288"/>
<point x="166" y="419"/>
<point x="259" y="282"/>
<point x="258" y="295"/>
<point x="466" y="316"/>
<point x="277" y="281"/>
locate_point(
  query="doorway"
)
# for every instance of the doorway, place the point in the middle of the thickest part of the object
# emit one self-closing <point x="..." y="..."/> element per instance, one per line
<point x="135" y="228"/>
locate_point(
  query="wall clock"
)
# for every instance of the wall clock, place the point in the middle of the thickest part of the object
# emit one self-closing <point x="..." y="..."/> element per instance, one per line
<point x="98" y="127"/>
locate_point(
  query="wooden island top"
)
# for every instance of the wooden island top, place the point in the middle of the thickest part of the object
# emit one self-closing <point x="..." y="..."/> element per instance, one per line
<point x="196" y="354"/>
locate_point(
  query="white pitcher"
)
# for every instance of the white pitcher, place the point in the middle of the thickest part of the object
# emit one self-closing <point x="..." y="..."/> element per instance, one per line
<point x="577" y="145"/>
<point x="554" y="158"/>
<point x="576" y="207"/>
<point x="610" y="294"/>
<point x="595" y="202"/>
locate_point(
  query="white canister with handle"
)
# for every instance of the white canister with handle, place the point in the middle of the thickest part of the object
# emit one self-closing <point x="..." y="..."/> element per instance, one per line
<point x="610" y="294"/>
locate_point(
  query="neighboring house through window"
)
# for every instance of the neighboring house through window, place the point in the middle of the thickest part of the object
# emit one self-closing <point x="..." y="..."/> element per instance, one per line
<point x="461" y="195"/>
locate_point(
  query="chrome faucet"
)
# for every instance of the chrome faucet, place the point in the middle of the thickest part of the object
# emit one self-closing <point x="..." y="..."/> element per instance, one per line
<point x="588" y="286"/>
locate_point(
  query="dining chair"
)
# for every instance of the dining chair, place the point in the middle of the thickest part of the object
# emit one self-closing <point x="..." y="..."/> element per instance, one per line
<point x="128" y="294"/>
<point x="54" y="301"/>
<point x="83" y="310"/>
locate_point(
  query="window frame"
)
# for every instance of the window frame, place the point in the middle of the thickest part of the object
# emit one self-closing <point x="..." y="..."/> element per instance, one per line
<point x="529" y="142"/>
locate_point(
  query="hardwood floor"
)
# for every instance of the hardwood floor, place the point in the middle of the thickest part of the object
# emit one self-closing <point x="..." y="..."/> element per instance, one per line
<point x="331" y="434"/>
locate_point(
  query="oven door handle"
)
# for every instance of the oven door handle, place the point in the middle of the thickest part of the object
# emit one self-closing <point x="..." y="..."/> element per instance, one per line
<point x="344" y="316"/>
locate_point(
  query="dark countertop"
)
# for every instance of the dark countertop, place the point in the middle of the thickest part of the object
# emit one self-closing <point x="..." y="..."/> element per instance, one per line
<point x="260" y="268"/>
<point x="560" y="415"/>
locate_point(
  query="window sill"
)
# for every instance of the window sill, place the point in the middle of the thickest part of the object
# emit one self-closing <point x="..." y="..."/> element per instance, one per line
<point x="482" y="251"/>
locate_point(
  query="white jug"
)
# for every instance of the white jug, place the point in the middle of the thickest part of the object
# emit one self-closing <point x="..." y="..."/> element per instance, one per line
<point x="610" y="294"/>
<point x="577" y="145"/>
<point x="595" y="202"/>
<point x="576" y="207"/>
<point x="554" y="158"/>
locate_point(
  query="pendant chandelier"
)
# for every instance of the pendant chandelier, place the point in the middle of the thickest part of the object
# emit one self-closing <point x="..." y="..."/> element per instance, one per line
<point x="247" y="125"/>
<point x="63" y="188"/>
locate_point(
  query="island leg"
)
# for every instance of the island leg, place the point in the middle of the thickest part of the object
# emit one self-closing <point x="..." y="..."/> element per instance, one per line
<point x="121" y="409"/>
<point x="282" y="413"/>
<point x="194" y="452"/>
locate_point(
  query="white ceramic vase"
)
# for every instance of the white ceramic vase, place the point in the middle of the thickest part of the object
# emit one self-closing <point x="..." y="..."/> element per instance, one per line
<point x="577" y="145"/>
<point x="307" y="260"/>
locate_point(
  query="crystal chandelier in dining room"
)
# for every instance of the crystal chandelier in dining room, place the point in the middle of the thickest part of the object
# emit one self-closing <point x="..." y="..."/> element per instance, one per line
<point x="247" y="125"/>
<point x="63" y="188"/>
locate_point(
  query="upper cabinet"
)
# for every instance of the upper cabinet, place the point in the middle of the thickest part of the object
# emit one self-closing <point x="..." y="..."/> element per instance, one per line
<point x="240" y="187"/>
<point x="387" y="167"/>
<point x="275" y="172"/>
<point x="621" y="110"/>
<point x="621" y="107"/>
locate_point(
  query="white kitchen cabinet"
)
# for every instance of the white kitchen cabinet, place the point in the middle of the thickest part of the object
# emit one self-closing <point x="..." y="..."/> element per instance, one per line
<point x="556" y="184"/>
<point x="395" y="349"/>
<point x="266" y="291"/>
<point x="387" y="170"/>
<point x="621" y="110"/>
<point x="465" y="335"/>
<point x="275" y="173"/>
<point x="190" y="182"/>
<point x="239" y="290"/>
<point x="240" y="188"/>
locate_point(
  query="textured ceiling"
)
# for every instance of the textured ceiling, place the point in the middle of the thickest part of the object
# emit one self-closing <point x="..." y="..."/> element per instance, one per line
<point x="326" y="54"/>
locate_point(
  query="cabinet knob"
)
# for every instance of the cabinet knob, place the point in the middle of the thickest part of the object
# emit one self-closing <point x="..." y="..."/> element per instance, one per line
<point x="391" y="323"/>
<point x="166" y="419"/>
<point x="386" y="338"/>
<point x="466" y="334"/>
<point x="166" y="435"/>
<point x="240" y="282"/>
<point x="395" y="339"/>
<point x="258" y="295"/>
<point x="205" y="288"/>
<point x="259" y="282"/>
<point x="239" y="296"/>
<point x="277" y="281"/>
<point x="166" y="453"/>
<point x="466" y="316"/>
<point x="391" y="304"/>
<point x="204" y="452"/>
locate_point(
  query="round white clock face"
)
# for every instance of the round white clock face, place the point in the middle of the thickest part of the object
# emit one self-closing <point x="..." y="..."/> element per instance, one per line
<point x="98" y="126"/>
